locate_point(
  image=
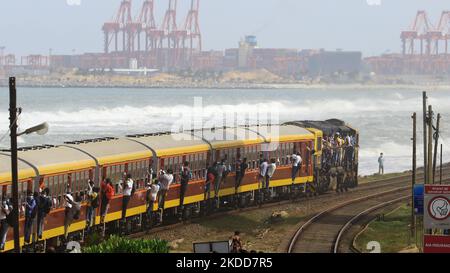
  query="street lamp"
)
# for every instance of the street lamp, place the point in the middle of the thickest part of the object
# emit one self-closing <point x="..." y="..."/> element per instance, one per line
<point x="40" y="129"/>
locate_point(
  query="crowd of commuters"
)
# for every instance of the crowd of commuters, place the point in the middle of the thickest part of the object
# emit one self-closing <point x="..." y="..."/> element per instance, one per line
<point x="338" y="150"/>
<point x="39" y="204"/>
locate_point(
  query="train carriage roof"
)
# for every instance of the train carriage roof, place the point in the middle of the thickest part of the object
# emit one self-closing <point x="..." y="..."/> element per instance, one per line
<point x="282" y="132"/>
<point x="56" y="159"/>
<point x="172" y="144"/>
<point x="229" y="137"/>
<point x="329" y="127"/>
<point x="112" y="151"/>
<point x="25" y="170"/>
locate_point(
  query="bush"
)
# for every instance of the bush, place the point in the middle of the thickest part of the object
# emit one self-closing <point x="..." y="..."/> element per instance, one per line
<point x="116" y="244"/>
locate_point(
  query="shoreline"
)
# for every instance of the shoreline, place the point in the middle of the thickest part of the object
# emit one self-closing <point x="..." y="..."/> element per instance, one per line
<point x="255" y="86"/>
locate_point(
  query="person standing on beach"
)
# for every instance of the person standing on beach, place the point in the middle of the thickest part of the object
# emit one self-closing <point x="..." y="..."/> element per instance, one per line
<point x="381" y="164"/>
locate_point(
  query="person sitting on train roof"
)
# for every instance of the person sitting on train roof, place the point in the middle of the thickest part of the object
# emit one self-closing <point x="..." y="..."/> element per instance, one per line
<point x="127" y="192"/>
<point x="30" y="215"/>
<point x="107" y="193"/>
<point x="44" y="207"/>
<point x="165" y="180"/>
<point x="296" y="164"/>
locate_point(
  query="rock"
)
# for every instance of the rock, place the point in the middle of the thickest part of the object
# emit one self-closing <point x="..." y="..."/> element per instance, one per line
<point x="278" y="216"/>
<point x="175" y="243"/>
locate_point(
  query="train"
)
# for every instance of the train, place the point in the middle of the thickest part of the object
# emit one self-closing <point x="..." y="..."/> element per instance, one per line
<point x="72" y="164"/>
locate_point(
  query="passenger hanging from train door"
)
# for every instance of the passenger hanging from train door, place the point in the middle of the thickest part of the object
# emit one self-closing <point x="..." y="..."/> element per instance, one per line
<point x="5" y="221"/>
<point x="238" y="170"/>
<point x="107" y="193"/>
<point x="186" y="176"/>
<point x="128" y="190"/>
<point x="152" y="188"/>
<point x="348" y="151"/>
<point x="73" y="209"/>
<point x="92" y="205"/>
<point x="269" y="174"/>
<point x="210" y="178"/>
<point x="221" y="169"/>
<point x="165" y="180"/>
<point x="44" y="207"/>
<point x="296" y="165"/>
<point x="262" y="179"/>
<point x="30" y="215"/>
<point x="244" y="167"/>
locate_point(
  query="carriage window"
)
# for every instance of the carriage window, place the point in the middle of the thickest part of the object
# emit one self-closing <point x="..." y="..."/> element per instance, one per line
<point x="115" y="173"/>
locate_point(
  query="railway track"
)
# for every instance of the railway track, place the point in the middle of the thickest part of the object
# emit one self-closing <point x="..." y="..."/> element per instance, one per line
<point x="323" y="232"/>
<point x="327" y="199"/>
<point x="332" y="230"/>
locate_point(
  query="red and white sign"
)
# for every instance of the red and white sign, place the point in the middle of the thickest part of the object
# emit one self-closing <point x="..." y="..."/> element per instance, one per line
<point x="436" y="244"/>
<point x="437" y="207"/>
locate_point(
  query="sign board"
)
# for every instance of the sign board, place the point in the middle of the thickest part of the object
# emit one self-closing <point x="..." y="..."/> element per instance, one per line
<point x="212" y="247"/>
<point x="418" y="199"/>
<point x="436" y="244"/>
<point x="437" y="207"/>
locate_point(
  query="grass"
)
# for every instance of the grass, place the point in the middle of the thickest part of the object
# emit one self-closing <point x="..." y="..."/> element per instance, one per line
<point x="393" y="234"/>
<point x="116" y="244"/>
<point x="375" y="177"/>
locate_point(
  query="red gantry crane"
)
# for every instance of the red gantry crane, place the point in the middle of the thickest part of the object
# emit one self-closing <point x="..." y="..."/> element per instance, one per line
<point x="192" y="28"/>
<point x="444" y="28"/>
<point x="121" y="23"/>
<point x="419" y="31"/>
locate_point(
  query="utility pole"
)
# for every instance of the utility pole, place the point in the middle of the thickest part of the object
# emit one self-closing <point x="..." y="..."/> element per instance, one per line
<point x="425" y="137"/>
<point x="414" y="139"/>
<point x="436" y="141"/>
<point x="14" y="168"/>
<point x="430" y="145"/>
<point x="440" y="168"/>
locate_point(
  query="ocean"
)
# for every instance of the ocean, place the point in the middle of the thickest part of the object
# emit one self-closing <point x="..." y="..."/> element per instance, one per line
<point x="383" y="117"/>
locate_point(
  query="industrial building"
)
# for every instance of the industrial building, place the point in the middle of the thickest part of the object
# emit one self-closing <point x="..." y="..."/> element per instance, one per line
<point x="137" y="42"/>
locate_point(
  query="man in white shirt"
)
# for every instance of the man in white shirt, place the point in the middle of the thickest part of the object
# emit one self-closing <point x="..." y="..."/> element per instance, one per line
<point x="152" y="194"/>
<point x="296" y="164"/>
<point x="270" y="172"/>
<point x="127" y="192"/>
<point x="165" y="180"/>
<point x="263" y="170"/>
<point x="381" y="164"/>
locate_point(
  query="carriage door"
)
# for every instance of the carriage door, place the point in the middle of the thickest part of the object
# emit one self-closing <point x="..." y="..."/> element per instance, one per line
<point x="305" y="157"/>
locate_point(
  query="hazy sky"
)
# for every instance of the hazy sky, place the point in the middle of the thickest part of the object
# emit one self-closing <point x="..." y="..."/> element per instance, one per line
<point x="372" y="26"/>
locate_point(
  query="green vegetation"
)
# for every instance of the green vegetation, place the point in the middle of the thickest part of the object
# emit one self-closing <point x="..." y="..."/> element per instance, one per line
<point x="116" y="244"/>
<point x="393" y="232"/>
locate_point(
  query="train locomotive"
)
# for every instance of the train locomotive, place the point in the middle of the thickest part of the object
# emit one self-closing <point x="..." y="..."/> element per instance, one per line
<point x="324" y="167"/>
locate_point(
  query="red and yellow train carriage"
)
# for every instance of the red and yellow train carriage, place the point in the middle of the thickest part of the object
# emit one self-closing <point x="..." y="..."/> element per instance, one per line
<point x="71" y="165"/>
